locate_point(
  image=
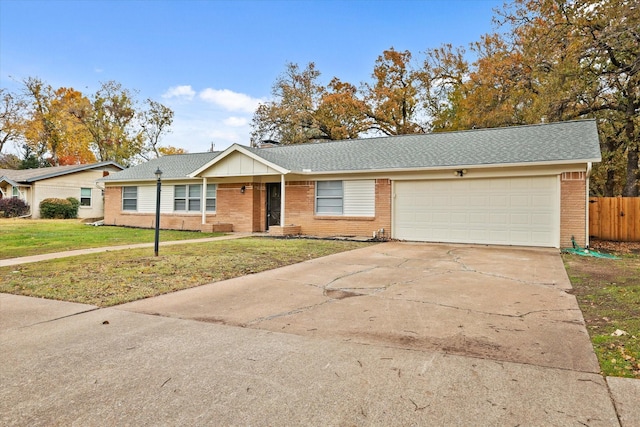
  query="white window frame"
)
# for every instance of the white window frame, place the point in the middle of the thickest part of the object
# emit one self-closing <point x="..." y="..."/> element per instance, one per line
<point x="128" y="197"/>
<point x="190" y="196"/>
<point x="325" y="195"/>
<point x="90" y="197"/>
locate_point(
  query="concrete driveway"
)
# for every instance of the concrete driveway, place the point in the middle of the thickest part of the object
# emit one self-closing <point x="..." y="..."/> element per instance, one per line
<point x="497" y="303"/>
<point x="392" y="334"/>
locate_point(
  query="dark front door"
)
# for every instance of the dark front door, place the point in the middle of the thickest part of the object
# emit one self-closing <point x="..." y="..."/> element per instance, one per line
<point x="273" y="204"/>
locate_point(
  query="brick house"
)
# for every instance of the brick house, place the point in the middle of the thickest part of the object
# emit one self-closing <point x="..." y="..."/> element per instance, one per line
<point x="524" y="185"/>
<point x="79" y="181"/>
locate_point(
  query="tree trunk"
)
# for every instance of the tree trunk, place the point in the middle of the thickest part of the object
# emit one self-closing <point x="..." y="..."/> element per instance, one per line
<point x="633" y="174"/>
<point x="610" y="184"/>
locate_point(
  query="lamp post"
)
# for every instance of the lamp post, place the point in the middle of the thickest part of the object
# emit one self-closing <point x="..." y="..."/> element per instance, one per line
<point x="158" y="173"/>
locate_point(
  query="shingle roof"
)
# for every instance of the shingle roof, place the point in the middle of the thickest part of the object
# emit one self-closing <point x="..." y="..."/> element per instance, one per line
<point x="573" y="141"/>
<point x="32" y="175"/>
<point x="173" y="167"/>
<point x="556" y="142"/>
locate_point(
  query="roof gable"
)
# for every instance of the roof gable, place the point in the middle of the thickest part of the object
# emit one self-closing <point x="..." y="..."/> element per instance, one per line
<point x="238" y="161"/>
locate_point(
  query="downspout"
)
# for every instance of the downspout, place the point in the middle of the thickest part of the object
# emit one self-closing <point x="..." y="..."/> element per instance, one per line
<point x="586" y="226"/>
<point x="203" y="203"/>
<point x="282" y="203"/>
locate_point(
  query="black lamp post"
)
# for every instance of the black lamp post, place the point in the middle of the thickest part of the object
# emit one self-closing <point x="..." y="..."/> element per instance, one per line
<point x="158" y="173"/>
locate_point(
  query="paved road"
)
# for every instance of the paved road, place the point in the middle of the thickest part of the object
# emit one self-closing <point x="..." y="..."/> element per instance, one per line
<point x="392" y="334"/>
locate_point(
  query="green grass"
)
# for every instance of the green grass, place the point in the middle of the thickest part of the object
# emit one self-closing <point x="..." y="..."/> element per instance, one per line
<point x="608" y="292"/>
<point x="21" y="237"/>
<point x="117" y="277"/>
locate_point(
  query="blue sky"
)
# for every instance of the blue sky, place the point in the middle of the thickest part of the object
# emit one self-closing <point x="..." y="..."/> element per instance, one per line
<point x="213" y="61"/>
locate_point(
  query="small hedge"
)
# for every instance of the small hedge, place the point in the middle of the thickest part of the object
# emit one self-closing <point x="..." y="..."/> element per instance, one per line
<point x="11" y="207"/>
<point x="53" y="208"/>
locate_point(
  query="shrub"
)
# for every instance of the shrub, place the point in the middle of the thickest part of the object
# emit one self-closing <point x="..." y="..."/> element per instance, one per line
<point x="75" y="204"/>
<point x="59" y="208"/>
<point x="11" y="207"/>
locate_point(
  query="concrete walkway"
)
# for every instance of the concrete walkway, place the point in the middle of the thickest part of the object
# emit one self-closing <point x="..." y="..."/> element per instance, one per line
<point x="66" y="254"/>
<point x="392" y="334"/>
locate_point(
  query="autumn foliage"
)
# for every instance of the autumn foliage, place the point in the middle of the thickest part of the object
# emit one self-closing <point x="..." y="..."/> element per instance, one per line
<point x="554" y="60"/>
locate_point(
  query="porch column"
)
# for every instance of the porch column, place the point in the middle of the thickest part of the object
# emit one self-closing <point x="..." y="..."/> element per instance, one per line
<point x="282" y="204"/>
<point x="203" y="201"/>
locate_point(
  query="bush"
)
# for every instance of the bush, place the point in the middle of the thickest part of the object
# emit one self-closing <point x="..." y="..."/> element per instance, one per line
<point x="75" y="204"/>
<point x="11" y="207"/>
<point x="59" y="208"/>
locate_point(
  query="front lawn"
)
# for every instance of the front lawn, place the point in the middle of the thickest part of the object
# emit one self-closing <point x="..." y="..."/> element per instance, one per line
<point x="117" y="277"/>
<point x="25" y="237"/>
<point x="608" y="292"/>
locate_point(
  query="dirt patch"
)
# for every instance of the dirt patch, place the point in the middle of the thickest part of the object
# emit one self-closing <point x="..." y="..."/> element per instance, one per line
<point x="615" y="247"/>
<point x="458" y="344"/>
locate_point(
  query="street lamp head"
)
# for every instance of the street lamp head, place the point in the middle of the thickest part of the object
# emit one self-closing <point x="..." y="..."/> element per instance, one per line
<point x="158" y="173"/>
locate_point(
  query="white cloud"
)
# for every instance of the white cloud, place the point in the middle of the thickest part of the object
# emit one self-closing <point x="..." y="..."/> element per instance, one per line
<point x="230" y="100"/>
<point x="236" y="121"/>
<point x="184" y="91"/>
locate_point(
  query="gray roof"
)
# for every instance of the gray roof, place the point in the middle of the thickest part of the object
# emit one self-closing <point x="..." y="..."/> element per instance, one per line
<point x="563" y="142"/>
<point x="176" y="166"/>
<point x="543" y="143"/>
<point x="33" y="175"/>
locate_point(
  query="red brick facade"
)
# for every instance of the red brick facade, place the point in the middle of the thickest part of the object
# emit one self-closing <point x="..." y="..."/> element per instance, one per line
<point x="246" y="211"/>
<point x="573" y="210"/>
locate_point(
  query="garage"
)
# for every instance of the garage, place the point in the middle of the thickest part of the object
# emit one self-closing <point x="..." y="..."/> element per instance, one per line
<point x="521" y="211"/>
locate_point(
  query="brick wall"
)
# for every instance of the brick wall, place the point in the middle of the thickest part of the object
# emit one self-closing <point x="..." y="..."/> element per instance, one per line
<point x="233" y="207"/>
<point x="573" y="215"/>
<point x="300" y="200"/>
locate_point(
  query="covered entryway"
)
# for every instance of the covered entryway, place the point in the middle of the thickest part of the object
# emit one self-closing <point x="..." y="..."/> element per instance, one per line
<point x="504" y="211"/>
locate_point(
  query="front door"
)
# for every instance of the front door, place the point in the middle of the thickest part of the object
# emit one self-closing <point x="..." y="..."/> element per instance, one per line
<point x="273" y="204"/>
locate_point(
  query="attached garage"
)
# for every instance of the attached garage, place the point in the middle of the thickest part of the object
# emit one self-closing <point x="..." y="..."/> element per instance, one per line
<point x="504" y="211"/>
<point x="519" y="185"/>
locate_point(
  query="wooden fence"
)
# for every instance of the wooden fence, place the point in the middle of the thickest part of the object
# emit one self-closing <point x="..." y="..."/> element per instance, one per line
<point x="615" y="218"/>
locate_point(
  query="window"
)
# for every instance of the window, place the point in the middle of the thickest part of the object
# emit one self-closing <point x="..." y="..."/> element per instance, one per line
<point x="129" y="198"/>
<point x="356" y="198"/>
<point x="329" y="198"/>
<point x="85" y="197"/>
<point x="211" y="197"/>
<point x="187" y="197"/>
<point x="15" y="192"/>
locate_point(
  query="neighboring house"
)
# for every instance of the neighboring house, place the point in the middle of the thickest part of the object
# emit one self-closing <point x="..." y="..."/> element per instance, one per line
<point x="79" y="181"/>
<point x="523" y="185"/>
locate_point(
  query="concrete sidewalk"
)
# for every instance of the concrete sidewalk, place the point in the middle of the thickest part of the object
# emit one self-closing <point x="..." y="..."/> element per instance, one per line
<point x="393" y="334"/>
<point x="66" y="254"/>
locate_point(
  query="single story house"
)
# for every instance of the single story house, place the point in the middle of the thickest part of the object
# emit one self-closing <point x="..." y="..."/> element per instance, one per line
<point x="524" y="185"/>
<point x="79" y="181"/>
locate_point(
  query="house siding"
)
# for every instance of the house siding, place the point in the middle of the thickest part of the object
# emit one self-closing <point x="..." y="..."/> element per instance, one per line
<point x="232" y="207"/>
<point x="69" y="186"/>
<point x="573" y="208"/>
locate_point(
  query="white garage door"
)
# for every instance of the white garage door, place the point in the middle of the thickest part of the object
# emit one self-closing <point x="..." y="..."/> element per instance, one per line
<point x="503" y="211"/>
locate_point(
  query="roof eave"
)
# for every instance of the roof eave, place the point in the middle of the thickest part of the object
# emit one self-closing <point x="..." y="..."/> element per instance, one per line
<point x="445" y="167"/>
<point x="80" y="168"/>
